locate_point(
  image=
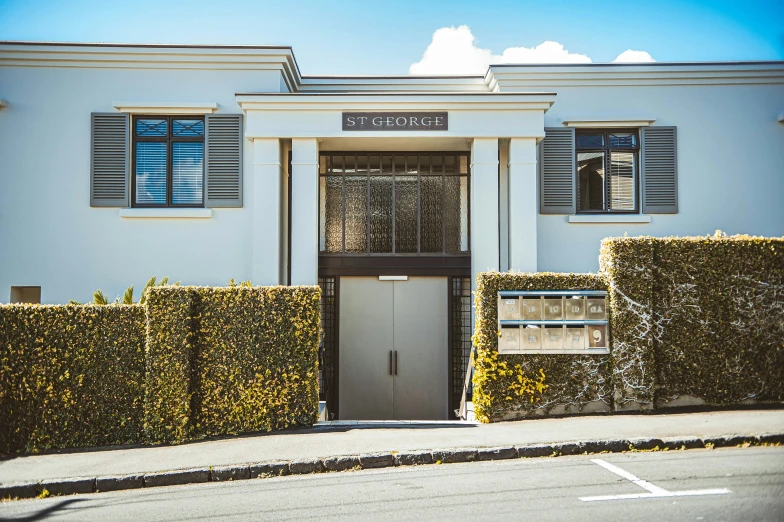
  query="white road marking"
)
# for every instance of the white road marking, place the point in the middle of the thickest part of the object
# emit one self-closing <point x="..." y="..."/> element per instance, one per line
<point x="654" y="491"/>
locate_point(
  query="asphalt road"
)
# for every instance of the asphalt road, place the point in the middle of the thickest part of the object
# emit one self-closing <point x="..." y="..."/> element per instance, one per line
<point x="721" y="484"/>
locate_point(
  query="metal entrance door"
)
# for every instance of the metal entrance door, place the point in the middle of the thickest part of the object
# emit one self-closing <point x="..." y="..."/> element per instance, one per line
<point x="394" y="359"/>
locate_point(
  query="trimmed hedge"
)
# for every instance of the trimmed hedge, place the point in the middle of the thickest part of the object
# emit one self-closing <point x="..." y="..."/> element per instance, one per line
<point x="234" y="360"/>
<point x="70" y="376"/>
<point x="718" y="316"/>
<point x="513" y="386"/>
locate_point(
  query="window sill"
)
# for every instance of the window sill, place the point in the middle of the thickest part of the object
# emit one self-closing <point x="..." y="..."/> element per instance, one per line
<point x="177" y="108"/>
<point x="609" y="218"/>
<point x="178" y="213"/>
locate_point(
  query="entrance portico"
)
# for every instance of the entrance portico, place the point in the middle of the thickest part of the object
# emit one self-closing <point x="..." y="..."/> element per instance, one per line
<point x="372" y="185"/>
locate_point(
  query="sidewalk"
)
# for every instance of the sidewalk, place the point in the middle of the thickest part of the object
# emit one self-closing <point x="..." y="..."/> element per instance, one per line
<point x="351" y="438"/>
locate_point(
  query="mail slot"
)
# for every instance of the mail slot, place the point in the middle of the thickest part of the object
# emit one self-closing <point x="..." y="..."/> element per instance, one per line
<point x="509" y="340"/>
<point x="553" y="309"/>
<point x="595" y="309"/>
<point x="575" y="338"/>
<point x="531" y="338"/>
<point x="597" y="336"/>
<point x="574" y="308"/>
<point x="532" y="309"/>
<point x="508" y="308"/>
<point x="553" y="338"/>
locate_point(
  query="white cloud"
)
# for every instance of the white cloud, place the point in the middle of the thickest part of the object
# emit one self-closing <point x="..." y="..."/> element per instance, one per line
<point x="453" y="50"/>
<point x="630" y="56"/>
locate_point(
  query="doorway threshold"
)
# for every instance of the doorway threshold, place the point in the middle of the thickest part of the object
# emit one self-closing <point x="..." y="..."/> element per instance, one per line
<point x="394" y="423"/>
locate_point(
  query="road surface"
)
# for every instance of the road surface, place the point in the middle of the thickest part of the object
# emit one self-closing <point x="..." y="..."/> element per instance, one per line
<point x="719" y="484"/>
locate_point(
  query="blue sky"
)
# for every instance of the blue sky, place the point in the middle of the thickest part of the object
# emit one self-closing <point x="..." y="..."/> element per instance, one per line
<point x="368" y="37"/>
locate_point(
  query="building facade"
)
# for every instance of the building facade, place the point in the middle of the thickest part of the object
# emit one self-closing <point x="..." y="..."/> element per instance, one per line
<point x="204" y="163"/>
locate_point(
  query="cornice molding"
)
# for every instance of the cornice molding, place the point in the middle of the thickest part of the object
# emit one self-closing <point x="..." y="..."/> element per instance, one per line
<point x="396" y="101"/>
<point x="166" y="107"/>
<point x="127" y="56"/>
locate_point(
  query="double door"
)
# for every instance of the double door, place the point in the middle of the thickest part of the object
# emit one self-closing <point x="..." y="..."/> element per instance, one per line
<point x="393" y="358"/>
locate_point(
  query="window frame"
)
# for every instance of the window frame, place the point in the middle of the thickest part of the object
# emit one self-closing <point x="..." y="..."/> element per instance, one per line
<point x="420" y="173"/>
<point x="169" y="139"/>
<point x="607" y="150"/>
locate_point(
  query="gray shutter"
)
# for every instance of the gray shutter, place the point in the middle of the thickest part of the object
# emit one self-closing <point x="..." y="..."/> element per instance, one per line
<point x="556" y="193"/>
<point x="659" y="170"/>
<point x="223" y="160"/>
<point x="109" y="159"/>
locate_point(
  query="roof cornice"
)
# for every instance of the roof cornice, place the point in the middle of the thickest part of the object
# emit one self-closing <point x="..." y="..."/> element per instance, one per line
<point x="153" y="56"/>
<point x="527" y="76"/>
<point x="397" y="101"/>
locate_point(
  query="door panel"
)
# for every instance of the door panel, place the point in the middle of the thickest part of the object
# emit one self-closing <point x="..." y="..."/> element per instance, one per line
<point x="420" y="333"/>
<point x="366" y="338"/>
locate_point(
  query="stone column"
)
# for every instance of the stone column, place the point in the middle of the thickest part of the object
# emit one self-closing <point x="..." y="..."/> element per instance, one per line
<point x="522" y="205"/>
<point x="484" y="207"/>
<point x="267" y="240"/>
<point x="304" y="211"/>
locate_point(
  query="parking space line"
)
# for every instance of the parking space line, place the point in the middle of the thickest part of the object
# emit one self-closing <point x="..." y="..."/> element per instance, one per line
<point x="654" y="491"/>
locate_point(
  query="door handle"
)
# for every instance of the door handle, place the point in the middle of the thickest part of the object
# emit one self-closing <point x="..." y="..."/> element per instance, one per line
<point x="395" y="362"/>
<point x="390" y="362"/>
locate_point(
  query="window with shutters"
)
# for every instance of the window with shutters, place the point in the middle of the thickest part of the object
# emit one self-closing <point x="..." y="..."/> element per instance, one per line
<point x="607" y="164"/>
<point x="168" y="161"/>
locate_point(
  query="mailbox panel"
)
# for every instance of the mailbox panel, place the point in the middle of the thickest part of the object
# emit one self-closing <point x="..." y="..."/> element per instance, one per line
<point x="553" y="338"/>
<point x="574" y="308"/>
<point x="597" y="336"/>
<point x="508" y="308"/>
<point x="509" y="340"/>
<point x="575" y="338"/>
<point x="531" y="338"/>
<point x="553" y="308"/>
<point x="532" y="309"/>
<point x="595" y="309"/>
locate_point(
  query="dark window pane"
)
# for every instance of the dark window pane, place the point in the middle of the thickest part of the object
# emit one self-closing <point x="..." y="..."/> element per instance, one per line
<point x="424" y="164"/>
<point x="349" y="165"/>
<point x="431" y="202"/>
<point x="331" y="214"/>
<point x="456" y="214"/>
<point x="386" y="164"/>
<point x="411" y="165"/>
<point x="150" y="127"/>
<point x="437" y="163"/>
<point x="400" y="164"/>
<point x="380" y="214"/>
<point x="374" y="164"/>
<point x="356" y="213"/>
<point x="406" y="214"/>
<point x="590" y="141"/>
<point x="188" y="128"/>
<point x="622" y="180"/>
<point x="187" y="173"/>
<point x="450" y="165"/>
<point x="623" y="140"/>
<point x="150" y="173"/>
<point x="336" y="165"/>
<point x="590" y="174"/>
<point x="362" y="164"/>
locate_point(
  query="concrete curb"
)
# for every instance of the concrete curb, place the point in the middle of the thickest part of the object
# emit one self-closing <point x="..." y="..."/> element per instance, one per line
<point x="70" y="486"/>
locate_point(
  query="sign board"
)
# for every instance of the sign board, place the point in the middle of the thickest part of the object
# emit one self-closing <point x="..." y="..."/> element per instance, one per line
<point x="395" y="121"/>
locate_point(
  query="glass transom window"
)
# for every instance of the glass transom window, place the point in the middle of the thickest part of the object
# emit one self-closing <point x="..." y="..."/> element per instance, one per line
<point x="168" y="161"/>
<point x="607" y="165"/>
<point x="393" y="203"/>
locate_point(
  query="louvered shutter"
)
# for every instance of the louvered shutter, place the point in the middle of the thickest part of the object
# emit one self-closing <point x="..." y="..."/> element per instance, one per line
<point x="556" y="193"/>
<point x="659" y="170"/>
<point x="223" y="160"/>
<point x="109" y="159"/>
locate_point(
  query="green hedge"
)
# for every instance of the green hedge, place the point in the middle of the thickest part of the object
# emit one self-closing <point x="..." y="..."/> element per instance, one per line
<point x="711" y="314"/>
<point x="513" y="386"/>
<point x="70" y="376"/>
<point x="627" y="264"/>
<point x="233" y="360"/>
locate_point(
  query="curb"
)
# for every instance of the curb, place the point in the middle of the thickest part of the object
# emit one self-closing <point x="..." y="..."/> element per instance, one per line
<point x="102" y="484"/>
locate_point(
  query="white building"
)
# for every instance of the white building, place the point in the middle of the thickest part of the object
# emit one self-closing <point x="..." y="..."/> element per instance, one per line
<point x="205" y="163"/>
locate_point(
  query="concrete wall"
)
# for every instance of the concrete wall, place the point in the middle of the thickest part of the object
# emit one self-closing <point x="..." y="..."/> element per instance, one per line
<point x="730" y="164"/>
<point x="49" y="234"/>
